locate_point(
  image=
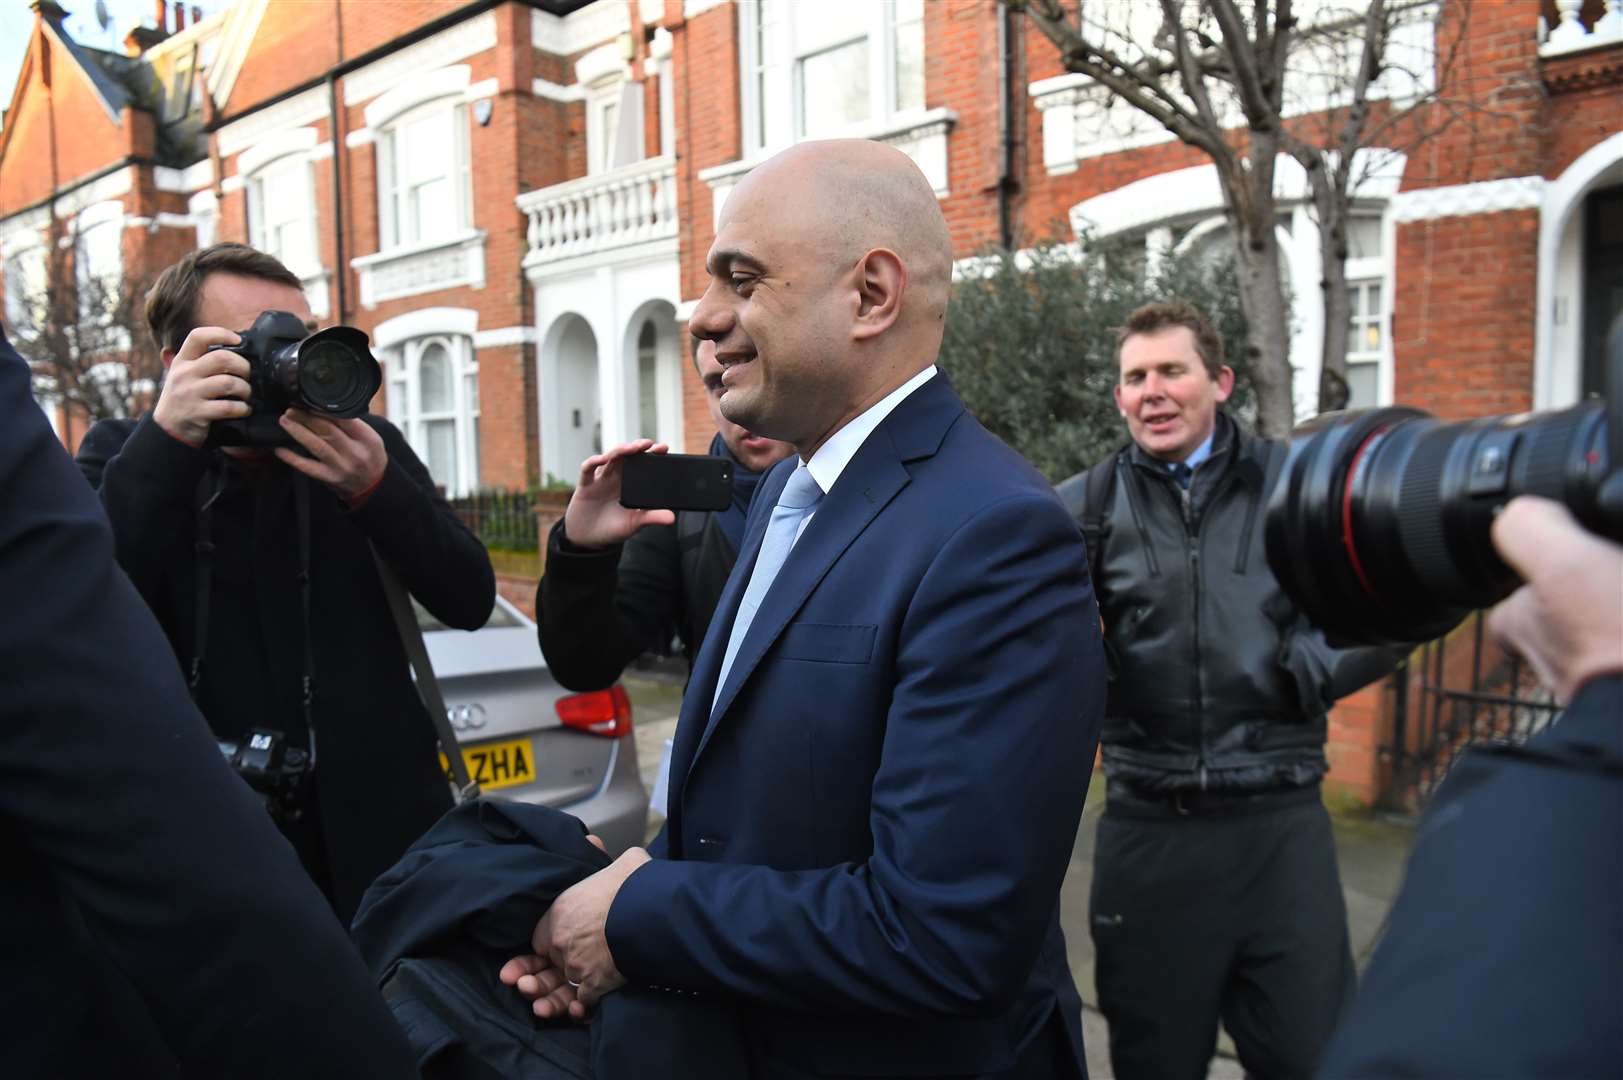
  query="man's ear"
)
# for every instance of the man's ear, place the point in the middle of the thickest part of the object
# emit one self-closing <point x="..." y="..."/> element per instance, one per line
<point x="881" y="280"/>
<point x="1225" y="382"/>
<point x="168" y="356"/>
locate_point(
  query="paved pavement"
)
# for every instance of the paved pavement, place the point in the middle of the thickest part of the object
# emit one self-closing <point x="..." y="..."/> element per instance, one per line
<point x="1371" y="852"/>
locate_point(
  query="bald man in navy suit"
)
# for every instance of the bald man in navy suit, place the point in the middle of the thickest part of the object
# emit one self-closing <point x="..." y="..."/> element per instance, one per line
<point x="883" y="750"/>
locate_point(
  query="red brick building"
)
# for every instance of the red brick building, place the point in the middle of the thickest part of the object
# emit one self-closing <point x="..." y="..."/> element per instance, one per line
<point x="515" y="199"/>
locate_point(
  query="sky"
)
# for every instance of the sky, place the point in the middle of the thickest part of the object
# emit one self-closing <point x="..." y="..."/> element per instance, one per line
<point x="17" y="22"/>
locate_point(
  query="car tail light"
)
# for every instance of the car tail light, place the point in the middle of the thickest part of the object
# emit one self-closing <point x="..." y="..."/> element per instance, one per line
<point x="601" y="712"/>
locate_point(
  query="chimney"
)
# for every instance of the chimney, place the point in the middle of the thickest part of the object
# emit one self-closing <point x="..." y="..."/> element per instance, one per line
<point x="180" y="16"/>
<point x="160" y="13"/>
<point x="197" y="14"/>
<point x="49" y="11"/>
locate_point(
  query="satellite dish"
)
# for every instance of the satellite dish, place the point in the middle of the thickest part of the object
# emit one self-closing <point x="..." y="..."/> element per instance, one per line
<point x="103" y="18"/>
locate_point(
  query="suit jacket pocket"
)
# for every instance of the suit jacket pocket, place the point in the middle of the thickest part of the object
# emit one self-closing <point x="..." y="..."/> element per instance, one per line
<point x="827" y="643"/>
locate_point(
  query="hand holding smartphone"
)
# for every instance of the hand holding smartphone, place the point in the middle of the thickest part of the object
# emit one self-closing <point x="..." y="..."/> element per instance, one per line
<point x="675" y="482"/>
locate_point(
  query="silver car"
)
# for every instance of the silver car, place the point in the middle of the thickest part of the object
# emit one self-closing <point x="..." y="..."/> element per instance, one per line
<point x="524" y="737"/>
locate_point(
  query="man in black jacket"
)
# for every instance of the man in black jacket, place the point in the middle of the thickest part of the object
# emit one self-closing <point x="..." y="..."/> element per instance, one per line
<point x="619" y="583"/>
<point x="152" y="923"/>
<point x="1215" y="889"/>
<point x="260" y="569"/>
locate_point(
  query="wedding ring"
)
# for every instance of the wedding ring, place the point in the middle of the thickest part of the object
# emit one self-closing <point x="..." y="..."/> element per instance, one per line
<point x="573" y="983"/>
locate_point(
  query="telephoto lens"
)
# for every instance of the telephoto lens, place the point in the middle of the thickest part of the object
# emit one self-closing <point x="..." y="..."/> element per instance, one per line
<point x="1379" y="525"/>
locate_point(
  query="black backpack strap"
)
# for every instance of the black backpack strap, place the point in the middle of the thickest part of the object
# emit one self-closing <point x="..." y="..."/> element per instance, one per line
<point x="1087" y="496"/>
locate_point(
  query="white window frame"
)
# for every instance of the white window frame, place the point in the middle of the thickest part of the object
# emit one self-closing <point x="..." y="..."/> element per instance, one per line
<point x="27" y="272"/>
<point x="600" y="135"/>
<point x="785" y="91"/>
<point x="402" y="366"/>
<point x="259" y="236"/>
<point x="394" y="202"/>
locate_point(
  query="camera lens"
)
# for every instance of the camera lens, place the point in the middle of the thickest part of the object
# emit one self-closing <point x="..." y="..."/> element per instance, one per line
<point x="1379" y="525"/>
<point x="337" y="378"/>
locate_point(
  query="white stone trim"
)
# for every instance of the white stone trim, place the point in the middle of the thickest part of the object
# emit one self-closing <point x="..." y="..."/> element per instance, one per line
<point x="1195" y="190"/>
<point x="359" y="137"/>
<point x="98" y="190"/>
<point x="167" y="179"/>
<point x="651" y="11"/>
<point x="23" y="236"/>
<point x="198" y="176"/>
<point x="164" y="220"/>
<point x="420" y="268"/>
<point x="484" y="88"/>
<point x="554" y="92"/>
<point x="505" y="337"/>
<point x="1570" y="35"/>
<point x="603" y="62"/>
<point x="300" y="109"/>
<point x="685" y="310"/>
<point x="456" y="43"/>
<point x="423" y="88"/>
<point x="98" y="214"/>
<point x="232" y="183"/>
<point x="423" y="323"/>
<point x="921" y="136"/>
<point x="580" y="30"/>
<point x="322" y="151"/>
<point x="273" y="147"/>
<point x="1558" y="318"/>
<point x="236" y="38"/>
<point x="1457" y="200"/>
<point x="660" y="47"/>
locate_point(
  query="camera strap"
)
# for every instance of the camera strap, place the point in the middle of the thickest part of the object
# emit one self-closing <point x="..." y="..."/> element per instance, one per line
<point x="204" y="547"/>
<point x="428" y="687"/>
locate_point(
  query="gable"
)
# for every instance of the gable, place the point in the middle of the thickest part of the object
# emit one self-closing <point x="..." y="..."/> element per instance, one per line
<point x="87" y="140"/>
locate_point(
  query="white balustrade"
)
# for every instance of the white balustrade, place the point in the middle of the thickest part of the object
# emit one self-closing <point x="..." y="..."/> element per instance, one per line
<point x="630" y="205"/>
<point x="1570" y="34"/>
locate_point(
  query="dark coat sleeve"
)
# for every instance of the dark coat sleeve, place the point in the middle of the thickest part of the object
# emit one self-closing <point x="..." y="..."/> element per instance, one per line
<point x="147" y="482"/>
<point x="438" y="558"/>
<point x="116" y="788"/>
<point x="1504" y="952"/>
<point x="596" y="611"/>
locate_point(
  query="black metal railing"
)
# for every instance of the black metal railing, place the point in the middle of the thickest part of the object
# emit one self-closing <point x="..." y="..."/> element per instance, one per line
<point x="1458" y="691"/>
<point x="502" y="519"/>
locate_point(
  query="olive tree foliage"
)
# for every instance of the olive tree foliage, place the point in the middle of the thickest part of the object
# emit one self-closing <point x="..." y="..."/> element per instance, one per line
<point x="1330" y="86"/>
<point x="1030" y="342"/>
<point x="79" y="324"/>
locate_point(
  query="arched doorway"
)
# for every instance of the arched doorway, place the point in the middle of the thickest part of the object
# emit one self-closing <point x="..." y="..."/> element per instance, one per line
<point x="573" y="422"/>
<point x="653" y="357"/>
<point x="1580" y="282"/>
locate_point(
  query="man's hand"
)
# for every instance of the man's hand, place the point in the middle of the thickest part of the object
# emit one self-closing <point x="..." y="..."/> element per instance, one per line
<point x="346" y="455"/>
<point x="572" y="933"/>
<point x="1567" y="621"/>
<point x="551" y="996"/>
<point x="595" y="517"/>
<point x="203" y="385"/>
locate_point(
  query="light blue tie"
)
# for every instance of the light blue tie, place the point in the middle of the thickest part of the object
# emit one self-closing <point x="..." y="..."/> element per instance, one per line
<point x="800" y="497"/>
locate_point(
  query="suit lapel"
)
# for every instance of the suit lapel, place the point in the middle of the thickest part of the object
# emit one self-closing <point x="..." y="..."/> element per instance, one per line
<point x="869" y="482"/>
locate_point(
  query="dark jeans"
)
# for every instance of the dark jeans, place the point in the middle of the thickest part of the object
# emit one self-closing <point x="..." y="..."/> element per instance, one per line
<point x="1237" y="916"/>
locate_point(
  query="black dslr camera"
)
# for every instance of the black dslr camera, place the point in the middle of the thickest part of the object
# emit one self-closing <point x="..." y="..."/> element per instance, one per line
<point x="1379" y="526"/>
<point x="330" y="373"/>
<point x="276" y="771"/>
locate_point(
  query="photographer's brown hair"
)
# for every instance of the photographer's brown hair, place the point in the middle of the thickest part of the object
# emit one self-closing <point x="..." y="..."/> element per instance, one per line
<point x="1161" y="315"/>
<point x="171" y="309"/>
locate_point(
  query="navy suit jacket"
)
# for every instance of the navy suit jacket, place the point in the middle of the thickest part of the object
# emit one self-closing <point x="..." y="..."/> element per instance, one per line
<point x="151" y="918"/>
<point x="873" y="823"/>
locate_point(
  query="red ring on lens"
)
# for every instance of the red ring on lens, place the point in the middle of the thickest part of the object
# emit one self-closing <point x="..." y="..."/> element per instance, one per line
<point x="1346" y="510"/>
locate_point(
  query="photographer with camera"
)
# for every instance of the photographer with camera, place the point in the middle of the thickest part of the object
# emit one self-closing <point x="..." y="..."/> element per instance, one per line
<point x="152" y="922"/>
<point x="1503" y="955"/>
<point x="248" y="522"/>
<point x="1215" y="888"/>
<point x="620" y="583"/>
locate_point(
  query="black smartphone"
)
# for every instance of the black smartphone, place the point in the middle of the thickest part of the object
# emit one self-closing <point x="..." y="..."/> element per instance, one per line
<point x="676" y="482"/>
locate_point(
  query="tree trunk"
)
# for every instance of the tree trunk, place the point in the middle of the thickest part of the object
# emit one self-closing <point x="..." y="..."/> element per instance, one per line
<point x="1249" y="198"/>
<point x="1331" y="212"/>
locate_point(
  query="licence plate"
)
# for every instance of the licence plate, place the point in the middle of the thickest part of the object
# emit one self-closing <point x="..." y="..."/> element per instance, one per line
<point x="497" y="764"/>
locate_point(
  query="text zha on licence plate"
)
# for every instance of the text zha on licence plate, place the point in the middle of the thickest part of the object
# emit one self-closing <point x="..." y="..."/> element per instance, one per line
<point x="497" y="764"/>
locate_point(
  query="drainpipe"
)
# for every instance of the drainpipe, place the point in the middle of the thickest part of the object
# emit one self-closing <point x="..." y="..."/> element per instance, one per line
<point x="340" y="270"/>
<point x="1008" y="42"/>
